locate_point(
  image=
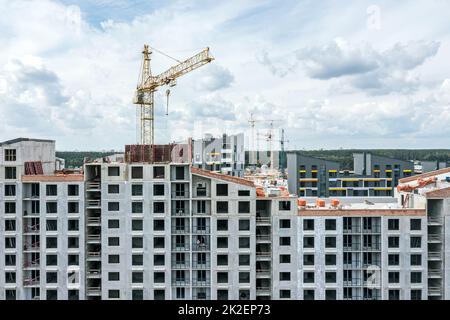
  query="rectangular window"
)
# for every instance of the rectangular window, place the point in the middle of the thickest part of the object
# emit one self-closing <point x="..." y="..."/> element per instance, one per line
<point x="137" y="260"/>
<point x="394" y="294"/>
<point x="113" y="206"/>
<point x="73" y="260"/>
<point x="10" y="207"/>
<point x="158" y="243"/>
<point x="222" y="225"/>
<point x="308" y="260"/>
<point x="158" y="225"/>
<point x="244" y="242"/>
<point x="285" y="241"/>
<point x="51" y="242"/>
<point x="222" y="277"/>
<point x="393" y="224"/>
<point x="113" y="171"/>
<point x="222" y="206"/>
<point x="393" y="277"/>
<point x="222" y="259"/>
<point x="244" y="225"/>
<point x="10" y="242"/>
<point x="244" y="277"/>
<point x="285" y="223"/>
<point x="113" y="294"/>
<point x="416" y="277"/>
<point x="72" y="225"/>
<point x="137" y="190"/>
<point x="416" y="259"/>
<point x="330" y="224"/>
<point x="158" y="207"/>
<point x="159" y="260"/>
<point x="222" y="242"/>
<point x="308" y="277"/>
<point x="52" y="260"/>
<point x="10" y="190"/>
<point x="113" y="258"/>
<point x="10" y="225"/>
<point x="284" y="205"/>
<point x="51" y="225"/>
<point x="73" y="207"/>
<point x="221" y="190"/>
<point x="10" y="260"/>
<point x="285" y="276"/>
<point x="308" y="242"/>
<point x="393" y="242"/>
<point x="73" y="190"/>
<point x="330" y="277"/>
<point x="137" y="242"/>
<point x="285" y="258"/>
<point x="416" y="294"/>
<point x="393" y="259"/>
<point x="113" y="241"/>
<point x="52" y="277"/>
<point x="10" y="154"/>
<point x="244" y="207"/>
<point x="416" y="242"/>
<point x="137" y="277"/>
<point x="137" y="172"/>
<point x="113" y="224"/>
<point x="308" y="225"/>
<point x="51" y="207"/>
<point x="159" y="277"/>
<point x="158" y="172"/>
<point x="73" y="242"/>
<point x="330" y="294"/>
<point x="158" y="190"/>
<point x="243" y="193"/>
<point x="137" y="225"/>
<point x="244" y="259"/>
<point x="10" y="173"/>
<point x="113" y="188"/>
<point x="416" y="224"/>
<point x="330" y="242"/>
<point x="330" y="259"/>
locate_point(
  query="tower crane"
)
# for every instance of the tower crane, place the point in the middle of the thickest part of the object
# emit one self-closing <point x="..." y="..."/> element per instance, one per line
<point x="268" y="136"/>
<point x="148" y="84"/>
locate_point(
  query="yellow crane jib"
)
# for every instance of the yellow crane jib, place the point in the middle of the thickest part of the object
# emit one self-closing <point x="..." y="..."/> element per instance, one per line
<point x="149" y="84"/>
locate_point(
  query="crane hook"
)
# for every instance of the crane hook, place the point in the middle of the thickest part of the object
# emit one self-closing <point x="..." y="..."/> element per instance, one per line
<point x="167" y="98"/>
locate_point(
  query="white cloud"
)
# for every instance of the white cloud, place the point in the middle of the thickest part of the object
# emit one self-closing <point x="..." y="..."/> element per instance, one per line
<point x="68" y="78"/>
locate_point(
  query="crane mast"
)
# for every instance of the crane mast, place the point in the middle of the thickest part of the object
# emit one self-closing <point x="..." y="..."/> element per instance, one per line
<point x="145" y="90"/>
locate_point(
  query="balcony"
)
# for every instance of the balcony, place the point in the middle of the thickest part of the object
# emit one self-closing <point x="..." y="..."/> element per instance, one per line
<point x="94" y="238"/>
<point x="179" y="212"/>
<point x="263" y="220"/>
<point x="372" y="230"/>
<point x="31" y="264"/>
<point x="201" y="247"/>
<point x="204" y="265"/>
<point x="352" y="230"/>
<point x="180" y="229"/>
<point x="372" y="248"/>
<point x="352" y="283"/>
<point x="354" y="265"/>
<point x="93" y="221"/>
<point x="435" y="256"/>
<point x="94" y="291"/>
<point x="29" y="281"/>
<point x="263" y="273"/>
<point x="180" y="282"/>
<point x="179" y="265"/>
<point x="28" y="247"/>
<point x="434" y="238"/>
<point x="94" y="255"/>
<point x="201" y="230"/>
<point x="32" y="229"/>
<point x="201" y="282"/>
<point x="263" y="238"/>
<point x="180" y="194"/>
<point x="354" y="247"/>
<point x="93" y="273"/>
<point x="93" y="204"/>
<point x="434" y="291"/>
<point x="435" y="273"/>
<point x="436" y="221"/>
<point x="93" y="186"/>
<point x="180" y="247"/>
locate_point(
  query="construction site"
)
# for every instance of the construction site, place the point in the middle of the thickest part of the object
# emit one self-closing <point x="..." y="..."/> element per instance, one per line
<point x="200" y="220"/>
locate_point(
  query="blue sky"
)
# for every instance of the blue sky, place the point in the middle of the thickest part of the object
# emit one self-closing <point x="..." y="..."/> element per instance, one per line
<point x="341" y="74"/>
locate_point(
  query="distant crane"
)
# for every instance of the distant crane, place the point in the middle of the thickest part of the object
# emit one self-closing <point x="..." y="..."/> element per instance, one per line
<point x="148" y="84"/>
<point x="268" y="136"/>
<point x="283" y="140"/>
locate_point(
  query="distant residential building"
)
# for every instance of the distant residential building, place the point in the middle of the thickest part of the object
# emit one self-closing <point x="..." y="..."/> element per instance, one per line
<point x="224" y="155"/>
<point x="372" y="176"/>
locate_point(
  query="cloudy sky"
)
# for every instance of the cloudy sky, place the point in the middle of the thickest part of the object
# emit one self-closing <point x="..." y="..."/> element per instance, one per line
<point x="340" y="74"/>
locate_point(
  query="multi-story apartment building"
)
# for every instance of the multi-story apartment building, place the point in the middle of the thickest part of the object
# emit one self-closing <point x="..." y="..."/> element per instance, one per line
<point x="223" y="155"/>
<point x="162" y="229"/>
<point x="372" y="176"/>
